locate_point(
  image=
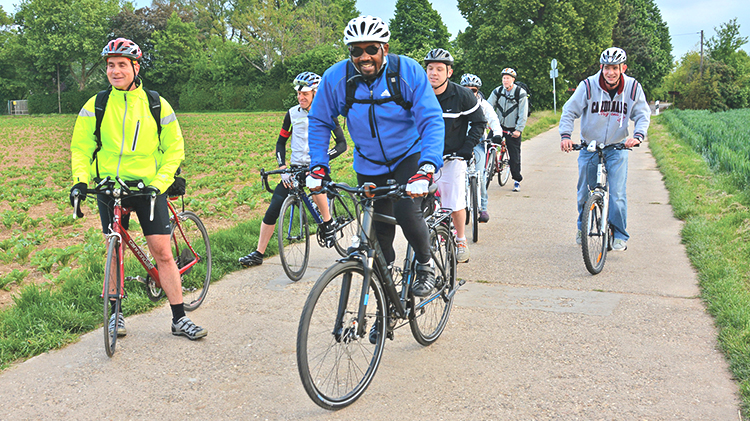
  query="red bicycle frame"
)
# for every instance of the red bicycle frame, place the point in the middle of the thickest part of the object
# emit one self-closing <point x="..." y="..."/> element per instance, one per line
<point x="118" y="230"/>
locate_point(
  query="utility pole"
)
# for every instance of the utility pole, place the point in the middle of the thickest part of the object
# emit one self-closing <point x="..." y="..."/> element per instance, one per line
<point x="701" y="53"/>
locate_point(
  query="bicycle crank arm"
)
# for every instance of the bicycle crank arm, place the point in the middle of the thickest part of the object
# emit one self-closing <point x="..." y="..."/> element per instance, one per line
<point x="136" y="278"/>
<point x="460" y="284"/>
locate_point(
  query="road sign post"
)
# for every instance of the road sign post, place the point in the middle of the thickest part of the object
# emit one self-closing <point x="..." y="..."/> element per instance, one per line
<point x="553" y="75"/>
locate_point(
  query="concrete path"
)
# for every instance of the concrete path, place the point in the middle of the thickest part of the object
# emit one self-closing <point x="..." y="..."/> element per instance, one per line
<point x="533" y="336"/>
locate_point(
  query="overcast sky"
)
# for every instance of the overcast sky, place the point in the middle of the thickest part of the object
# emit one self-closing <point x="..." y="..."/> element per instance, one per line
<point x="685" y="18"/>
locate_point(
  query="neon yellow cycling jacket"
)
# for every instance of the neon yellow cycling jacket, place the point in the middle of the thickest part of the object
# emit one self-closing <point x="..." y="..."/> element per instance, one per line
<point x="131" y="147"/>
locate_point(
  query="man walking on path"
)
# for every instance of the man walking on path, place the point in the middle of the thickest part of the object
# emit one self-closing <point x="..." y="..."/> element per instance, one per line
<point x="605" y="101"/>
<point x="512" y="107"/>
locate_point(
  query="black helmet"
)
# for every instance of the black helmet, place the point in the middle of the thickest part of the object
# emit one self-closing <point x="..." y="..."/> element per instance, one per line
<point x="438" y="55"/>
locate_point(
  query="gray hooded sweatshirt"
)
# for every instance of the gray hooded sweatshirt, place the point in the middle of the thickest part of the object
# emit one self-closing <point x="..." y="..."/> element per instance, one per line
<point x="604" y="119"/>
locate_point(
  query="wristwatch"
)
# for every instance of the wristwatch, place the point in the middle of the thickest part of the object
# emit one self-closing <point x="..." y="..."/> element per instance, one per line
<point x="428" y="168"/>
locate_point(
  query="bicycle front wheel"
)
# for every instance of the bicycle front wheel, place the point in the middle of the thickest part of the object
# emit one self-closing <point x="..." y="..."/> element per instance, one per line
<point x="111" y="294"/>
<point x="192" y="253"/>
<point x="594" y="240"/>
<point x="474" y="186"/>
<point x="344" y="211"/>
<point x="490" y="167"/>
<point x="504" y="171"/>
<point x="294" y="238"/>
<point x="429" y="315"/>
<point x="336" y="357"/>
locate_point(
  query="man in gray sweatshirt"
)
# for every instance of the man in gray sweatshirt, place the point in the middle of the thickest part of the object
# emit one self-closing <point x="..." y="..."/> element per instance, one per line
<point x="605" y="102"/>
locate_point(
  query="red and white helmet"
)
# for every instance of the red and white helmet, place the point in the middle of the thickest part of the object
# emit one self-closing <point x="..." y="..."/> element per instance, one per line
<point x="366" y="29"/>
<point x="122" y="47"/>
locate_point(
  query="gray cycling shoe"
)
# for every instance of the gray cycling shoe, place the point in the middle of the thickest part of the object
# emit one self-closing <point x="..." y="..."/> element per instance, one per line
<point x="186" y="327"/>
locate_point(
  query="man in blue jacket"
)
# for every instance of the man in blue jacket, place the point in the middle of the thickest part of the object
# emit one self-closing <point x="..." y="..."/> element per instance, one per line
<point x="396" y="124"/>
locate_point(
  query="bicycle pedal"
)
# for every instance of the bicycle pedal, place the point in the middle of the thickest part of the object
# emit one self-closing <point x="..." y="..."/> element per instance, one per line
<point x="137" y="278"/>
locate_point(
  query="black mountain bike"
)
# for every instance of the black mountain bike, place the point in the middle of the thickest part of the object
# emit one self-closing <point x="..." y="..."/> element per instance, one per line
<point x="359" y="301"/>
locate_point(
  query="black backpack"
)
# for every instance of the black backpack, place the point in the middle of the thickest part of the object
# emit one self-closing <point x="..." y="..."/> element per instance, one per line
<point x="517" y="97"/>
<point x="100" y="105"/>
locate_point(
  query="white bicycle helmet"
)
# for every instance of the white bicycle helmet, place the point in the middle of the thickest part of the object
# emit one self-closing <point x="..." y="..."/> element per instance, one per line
<point x="509" y="71"/>
<point x="469" y="79"/>
<point x="306" y="81"/>
<point x="366" y="29"/>
<point x="439" y="55"/>
<point x="613" y="55"/>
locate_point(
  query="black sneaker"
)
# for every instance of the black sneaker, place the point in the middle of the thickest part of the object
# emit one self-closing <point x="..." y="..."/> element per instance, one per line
<point x="186" y="327"/>
<point x="253" y="259"/>
<point x="425" y="281"/>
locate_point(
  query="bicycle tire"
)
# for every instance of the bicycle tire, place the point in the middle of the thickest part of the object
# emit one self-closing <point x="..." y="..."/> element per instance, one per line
<point x="474" y="185"/>
<point x="189" y="244"/>
<point x="337" y="365"/>
<point x="504" y="171"/>
<point x="490" y="167"/>
<point x="594" y="241"/>
<point x="294" y="238"/>
<point x="113" y="258"/>
<point x="345" y="212"/>
<point x="429" y="315"/>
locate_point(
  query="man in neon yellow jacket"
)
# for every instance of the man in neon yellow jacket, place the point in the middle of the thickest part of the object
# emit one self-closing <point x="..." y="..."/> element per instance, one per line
<point x="132" y="149"/>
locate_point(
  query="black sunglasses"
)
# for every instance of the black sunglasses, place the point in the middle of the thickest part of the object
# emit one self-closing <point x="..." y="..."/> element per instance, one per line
<point x="370" y="50"/>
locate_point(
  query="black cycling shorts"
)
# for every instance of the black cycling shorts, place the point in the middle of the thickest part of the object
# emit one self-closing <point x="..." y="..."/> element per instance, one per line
<point x="142" y="207"/>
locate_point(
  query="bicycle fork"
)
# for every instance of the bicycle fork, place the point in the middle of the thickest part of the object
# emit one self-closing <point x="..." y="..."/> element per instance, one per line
<point x="601" y="183"/>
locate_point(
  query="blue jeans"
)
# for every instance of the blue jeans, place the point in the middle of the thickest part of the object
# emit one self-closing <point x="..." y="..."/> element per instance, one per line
<point x="479" y="157"/>
<point x="616" y="163"/>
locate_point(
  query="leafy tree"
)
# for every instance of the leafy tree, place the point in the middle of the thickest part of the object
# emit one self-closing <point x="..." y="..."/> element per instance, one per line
<point x="417" y="28"/>
<point x="176" y="49"/>
<point x="644" y="36"/>
<point x="725" y="81"/>
<point x="67" y="34"/>
<point x="528" y="35"/>
<point x="273" y="30"/>
<point x="726" y="42"/>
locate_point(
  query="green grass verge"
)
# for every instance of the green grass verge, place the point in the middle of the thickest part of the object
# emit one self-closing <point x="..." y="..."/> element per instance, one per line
<point x="716" y="234"/>
<point x="540" y="122"/>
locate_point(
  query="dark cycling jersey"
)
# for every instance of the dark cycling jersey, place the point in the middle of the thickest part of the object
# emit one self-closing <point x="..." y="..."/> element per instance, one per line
<point x="461" y="109"/>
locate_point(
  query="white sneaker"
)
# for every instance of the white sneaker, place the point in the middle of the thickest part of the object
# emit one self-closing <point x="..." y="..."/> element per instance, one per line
<point x="516" y="186"/>
<point x="579" y="237"/>
<point x="620" y="245"/>
<point x="462" y="251"/>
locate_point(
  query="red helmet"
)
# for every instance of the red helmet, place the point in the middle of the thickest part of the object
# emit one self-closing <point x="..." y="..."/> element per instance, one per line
<point x="122" y="47"/>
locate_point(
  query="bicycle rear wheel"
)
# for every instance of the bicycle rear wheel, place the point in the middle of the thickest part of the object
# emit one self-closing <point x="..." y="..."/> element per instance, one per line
<point x="504" y="170"/>
<point x="594" y="240"/>
<point x="335" y="357"/>
<point x="344" y="211"/>
<point x="490" y="167"/>
<point x="112" y="300"/>
<point x="429" y="315"/>
<point x="474" y="197"/>
<point x="191" y="248"/>
<point x="294" y="238"/>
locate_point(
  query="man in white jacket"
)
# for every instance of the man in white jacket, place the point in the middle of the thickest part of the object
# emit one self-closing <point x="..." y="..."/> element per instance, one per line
<point x="473" y="83"/>
<point x="605" y="102"/>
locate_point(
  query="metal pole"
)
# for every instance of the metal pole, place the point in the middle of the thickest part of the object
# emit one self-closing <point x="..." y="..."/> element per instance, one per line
<point x="701" y="52"/>
<point x="554" y="94"/>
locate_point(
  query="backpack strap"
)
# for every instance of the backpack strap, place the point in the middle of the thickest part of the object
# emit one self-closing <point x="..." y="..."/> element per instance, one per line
<point x="393" y="79"/>
<point x="516" y="97"/>
<point x="154" y="104"/>
<point x="100" y="105"/>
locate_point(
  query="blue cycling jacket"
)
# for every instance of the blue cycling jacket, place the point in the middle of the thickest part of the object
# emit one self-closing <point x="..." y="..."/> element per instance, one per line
<point x="380" y="132"/>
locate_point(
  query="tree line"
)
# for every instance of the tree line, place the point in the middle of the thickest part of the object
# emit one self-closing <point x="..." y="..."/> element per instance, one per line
<point x="205" y="55"/>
